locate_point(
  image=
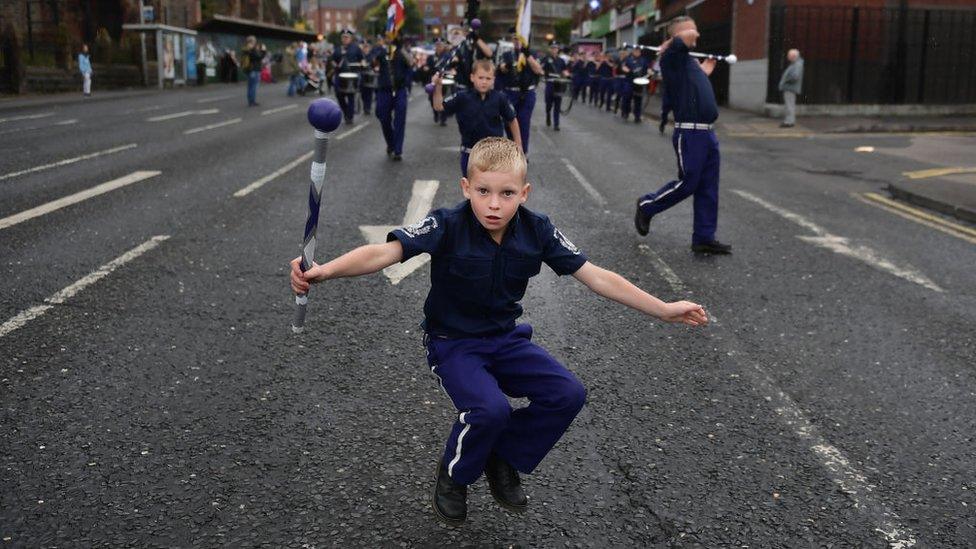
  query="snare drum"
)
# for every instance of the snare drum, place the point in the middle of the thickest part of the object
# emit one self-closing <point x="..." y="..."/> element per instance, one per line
<point x="447" y="87"/>
<point x="559" y="86"/>
<point x="368" y="79"/>
<point x="348" y="82"/>
<point x="640" y="85"/>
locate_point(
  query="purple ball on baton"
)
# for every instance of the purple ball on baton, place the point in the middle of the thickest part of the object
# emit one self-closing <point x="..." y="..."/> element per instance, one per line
<point x="324" y="115"/>
<point x="429" y="88"/>
<point x="476" y="23"/>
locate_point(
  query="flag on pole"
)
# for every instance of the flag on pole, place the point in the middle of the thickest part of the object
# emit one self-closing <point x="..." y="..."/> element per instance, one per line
<point x="523" y="21"/>
<point x="395" y="15"/>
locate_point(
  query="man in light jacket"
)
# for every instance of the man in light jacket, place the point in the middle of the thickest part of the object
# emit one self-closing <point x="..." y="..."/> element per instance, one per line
<point x="790" y="84"/>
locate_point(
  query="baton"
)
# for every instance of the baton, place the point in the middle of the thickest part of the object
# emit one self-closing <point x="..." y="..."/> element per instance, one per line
<point x="730" y="58"/>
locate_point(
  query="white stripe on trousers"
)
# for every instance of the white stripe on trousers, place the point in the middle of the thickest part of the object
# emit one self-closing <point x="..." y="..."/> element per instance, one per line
<point x="457" y="451"/>
<point x="681" y="165"/>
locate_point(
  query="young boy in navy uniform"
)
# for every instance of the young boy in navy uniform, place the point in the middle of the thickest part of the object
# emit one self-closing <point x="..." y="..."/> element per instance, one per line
<point x="480" y="112"/>
<point x="483" y="252"/>
<point x="690" y="97"/>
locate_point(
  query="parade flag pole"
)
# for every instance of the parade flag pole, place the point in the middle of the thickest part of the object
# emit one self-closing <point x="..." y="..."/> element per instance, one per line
<point x="325" y="116"/>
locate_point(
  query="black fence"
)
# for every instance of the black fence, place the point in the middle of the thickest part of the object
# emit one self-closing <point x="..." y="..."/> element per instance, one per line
<point x="876" y="55"/>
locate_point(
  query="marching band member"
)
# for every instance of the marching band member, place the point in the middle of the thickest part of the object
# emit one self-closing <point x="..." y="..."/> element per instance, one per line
<point x="346" y="58"/>
<point x="554" y="67"/>
<point x="392" y="87"/>
<point x="635" y="66"/>
<point x="521" y="71"/>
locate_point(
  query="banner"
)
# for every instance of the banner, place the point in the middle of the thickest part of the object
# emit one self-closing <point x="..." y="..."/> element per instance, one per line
<point x="395" y="15"/>
<point x="523" y="21"/>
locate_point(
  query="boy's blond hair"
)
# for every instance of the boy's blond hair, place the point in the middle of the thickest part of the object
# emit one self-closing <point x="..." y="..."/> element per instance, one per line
<point x="497" y="154"/>
<point x="483" y="64"/>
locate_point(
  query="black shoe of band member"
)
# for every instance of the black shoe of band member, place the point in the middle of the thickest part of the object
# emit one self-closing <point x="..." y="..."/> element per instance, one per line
<point x="450" y="499"/>
<point x="556" y="128"/>
<point x="714" y="247"/>
<point x="642" y="222"/>
<point x="505" y="485"/>
<point x="548" y="119"/>
<point x="397" y="157"/>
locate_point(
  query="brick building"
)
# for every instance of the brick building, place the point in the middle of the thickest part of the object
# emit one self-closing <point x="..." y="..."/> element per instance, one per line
<point x="327" y="16"/>
<point x="501" y="14"/>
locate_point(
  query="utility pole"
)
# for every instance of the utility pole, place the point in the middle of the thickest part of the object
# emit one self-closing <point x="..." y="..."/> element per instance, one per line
<point x="142" y="44"/>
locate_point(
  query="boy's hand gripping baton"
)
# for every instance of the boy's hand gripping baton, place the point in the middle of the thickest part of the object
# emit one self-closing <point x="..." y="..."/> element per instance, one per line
<point x="325" y="116"/>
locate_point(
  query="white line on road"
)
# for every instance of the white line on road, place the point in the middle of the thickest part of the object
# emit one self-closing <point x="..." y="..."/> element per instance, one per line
<point x="68" y="122"/>
<point x="851" y="481"/>
<point x="841" y="245"/>
<point x="586" y="184"/>
<point x="213" y="99"/>
<point x="278" y="109"/>
<point x="171" y="116"/>
<point x="289" y="166"/>
<point x="133" y="177"/>
<point x="213" y="126"/>
<point x="60" y="297"/>
<point x="27" y="117"/>
<point x="68" y="161"/>
<point x="421" y="198"/>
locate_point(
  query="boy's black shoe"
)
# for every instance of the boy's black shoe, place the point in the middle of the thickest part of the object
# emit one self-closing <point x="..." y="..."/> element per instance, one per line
<point x="504" y="483"/>
<point x="714" y="247"/>
<point x="641" y="222"/>
<point x="548" y="119"/>
<point x="450" y="498"/>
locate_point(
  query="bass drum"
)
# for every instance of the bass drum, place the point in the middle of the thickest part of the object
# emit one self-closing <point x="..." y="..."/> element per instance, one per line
<point x="560" y="86"/>
<point x="348" y="82"/>
<point x="640" y="85"/>
<point x="447" y="87"/>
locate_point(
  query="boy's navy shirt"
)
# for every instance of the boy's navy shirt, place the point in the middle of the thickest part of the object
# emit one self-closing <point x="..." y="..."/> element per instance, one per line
<point x="688" y="91"/>
<point x="475" y="283"/>
<point x="479" y="118"/>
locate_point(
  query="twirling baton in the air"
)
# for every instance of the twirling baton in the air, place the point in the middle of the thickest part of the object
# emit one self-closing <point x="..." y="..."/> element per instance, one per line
<point x="730" y="58"/>
<point x="325" y="116"/>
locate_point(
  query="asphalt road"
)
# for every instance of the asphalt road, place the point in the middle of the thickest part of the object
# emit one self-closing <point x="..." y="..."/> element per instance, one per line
<point x="153" y="394"/>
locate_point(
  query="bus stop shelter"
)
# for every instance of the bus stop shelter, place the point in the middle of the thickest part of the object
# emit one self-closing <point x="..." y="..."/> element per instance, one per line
<point x="176" y="52"/>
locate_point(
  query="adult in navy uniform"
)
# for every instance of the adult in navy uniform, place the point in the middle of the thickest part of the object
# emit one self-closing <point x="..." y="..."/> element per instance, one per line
<point x="520" y="71"/>
<point x="468" y="50"/>
<point x="619" y="79"/>
<point x="577" y="66"/>
<point x="554" y="67"/>
<point x="592" y="76"/>
<point x="692" y="101"/>
<point x="364" y="92"/>
<point x="605" y="72"/>
<point x="442" y="58"/>
<point x="348" y="57"/>
<point x="634" y="66"/>
<point x="393" y="74"/>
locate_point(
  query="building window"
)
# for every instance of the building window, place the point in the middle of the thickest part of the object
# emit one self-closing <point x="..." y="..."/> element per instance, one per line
<point x="348" y="16"/>
<point x="459" y="9"/>
<point x="328" y="27"/>
<point x="445" y="10"/>
<point x="428" y="9"/>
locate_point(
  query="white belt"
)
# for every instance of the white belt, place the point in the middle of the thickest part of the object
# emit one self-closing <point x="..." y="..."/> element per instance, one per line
<point x="466" y="150"/>
<point x="693" y="126"/>
<point x="520" y="89"/>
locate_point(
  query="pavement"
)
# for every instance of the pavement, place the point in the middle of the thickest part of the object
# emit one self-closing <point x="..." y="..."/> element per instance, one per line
<point x="953" y="197"/>
<point x="152" y="393"/>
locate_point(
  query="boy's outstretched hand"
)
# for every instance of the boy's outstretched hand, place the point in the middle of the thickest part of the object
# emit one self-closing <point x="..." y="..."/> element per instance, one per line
<point x="300" y="282"/>
<point x="685" y="312"/>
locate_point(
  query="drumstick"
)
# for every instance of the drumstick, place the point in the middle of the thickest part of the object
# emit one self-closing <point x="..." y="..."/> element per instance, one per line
<point x="325" y="116"/>
<point x="730" y="58"/>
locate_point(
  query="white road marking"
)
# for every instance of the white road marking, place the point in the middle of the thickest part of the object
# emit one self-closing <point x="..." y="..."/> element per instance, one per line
<point x="851" y="481"/>
<point x="213" y="99"/>
<point x="665" y="271"/>
<point x="171" y="116"/>
<point x="60" y="297"/>
<point x="213" y="126"/>
<point x="26" y="117"/>
<point x="68" y="161"/>
<point x="68" y="122"/>
<point x="351" y="131"/>
<point x="133" y="177"/>
<point x="290" y="166"/>
<point x="586" y="184"/>
<point x="864" y="149"/>
<point x="842" y="245"/>
<point x="278" y="109"/>
<point x="421" y="198"/>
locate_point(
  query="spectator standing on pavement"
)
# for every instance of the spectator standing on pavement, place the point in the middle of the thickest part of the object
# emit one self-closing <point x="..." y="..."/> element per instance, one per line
<point x="251" y="63"/>
<point x="483" y="253"/>
<point x="289" y="65"/>
<point x="791" y="83"/>
<point x="692" y="100"/>
<point x="84" y="66"/>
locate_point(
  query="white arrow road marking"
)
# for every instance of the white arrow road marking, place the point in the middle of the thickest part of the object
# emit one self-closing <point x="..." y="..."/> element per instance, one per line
<point x="842" y="245"/>
<point x="420" y="201"/>
<point x="133" y="177"/>
<point x="60" y="297"/>
<point x="165" y="117"/>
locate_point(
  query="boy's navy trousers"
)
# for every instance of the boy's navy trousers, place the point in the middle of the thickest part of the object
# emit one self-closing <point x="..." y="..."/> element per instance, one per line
<point x="477" y="374"/>
<point x="698" y="164"/>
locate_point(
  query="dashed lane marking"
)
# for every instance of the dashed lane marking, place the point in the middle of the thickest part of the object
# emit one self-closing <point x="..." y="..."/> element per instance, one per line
<point x="43" y="209"/>
<point x="213" y="99"/>
<point x="668" y="274"/>
<point x="68" y="161"/>
<point x="586" y="184"/>
<point x="841" y="245"/>
<point x="291" y="165"/>
<point x="938" y="172"/>
<point x="839" y="469"/>
<point x="26" y="117"/>
<point x="213" y="126"/>
<point x="918" y="216"/>
<point x="171" y="116"/>
<point x="278" y="109"/>
<point x="67" y="122"/>
<point x="61" y="296"/>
